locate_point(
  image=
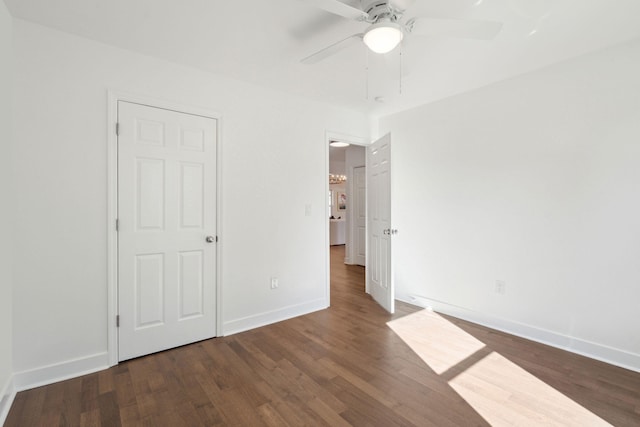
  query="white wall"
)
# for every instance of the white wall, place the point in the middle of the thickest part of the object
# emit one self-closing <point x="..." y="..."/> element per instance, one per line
<point x="337" y="188"/>
<point x="337" y="167"/>
<point x="534" y="181"/>
<point x="270" y="141"/>
<point x="6" y="59"/>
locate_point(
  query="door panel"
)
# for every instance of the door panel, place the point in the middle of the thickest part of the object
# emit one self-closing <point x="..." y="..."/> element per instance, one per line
<point x="166" y="209"/>
<point x="191" y="284"/>
<point x="380" y="268"/>
<point x="360" y="216"/>
<point x="149" y="284"/>
<point x="191" y="195"/>
<point x="150" y="194"/>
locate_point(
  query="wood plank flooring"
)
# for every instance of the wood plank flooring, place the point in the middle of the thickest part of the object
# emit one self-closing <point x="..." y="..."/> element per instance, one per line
<point x="338" y="367"/>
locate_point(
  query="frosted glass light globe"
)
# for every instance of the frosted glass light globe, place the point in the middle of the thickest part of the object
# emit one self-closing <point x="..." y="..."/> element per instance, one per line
<point x="383" y="37"/>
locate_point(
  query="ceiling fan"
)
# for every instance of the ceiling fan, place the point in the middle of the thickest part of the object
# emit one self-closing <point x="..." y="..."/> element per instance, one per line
<point x="388" y="27"/>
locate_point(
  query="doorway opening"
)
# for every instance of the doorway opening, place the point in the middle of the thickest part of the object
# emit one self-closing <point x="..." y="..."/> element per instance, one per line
<point x="347" y="209"/>
<point x="377" y="226"/>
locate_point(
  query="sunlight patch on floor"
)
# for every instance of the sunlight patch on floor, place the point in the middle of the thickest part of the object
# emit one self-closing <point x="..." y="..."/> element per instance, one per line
<point x="426" y="333"/>
<point x="504" y="394"/>
<point x="500" y="391"/>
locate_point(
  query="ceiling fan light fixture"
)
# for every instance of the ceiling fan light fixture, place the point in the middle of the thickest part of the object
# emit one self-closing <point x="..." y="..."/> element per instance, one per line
<point x="383" y="37"/>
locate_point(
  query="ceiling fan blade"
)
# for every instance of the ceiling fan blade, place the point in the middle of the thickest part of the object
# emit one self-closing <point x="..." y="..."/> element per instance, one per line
<point x="460" y="28"/>
<point x="338" y="8"/>
<point x="331" y="50"/>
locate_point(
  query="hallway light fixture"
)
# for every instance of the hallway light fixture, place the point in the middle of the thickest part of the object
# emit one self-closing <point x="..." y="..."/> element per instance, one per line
<point x="338" y="144"/>
<point x="337" y="179"/>
<point x="383" y="36"/>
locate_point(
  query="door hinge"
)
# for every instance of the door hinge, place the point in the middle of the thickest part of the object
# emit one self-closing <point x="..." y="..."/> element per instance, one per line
<point x="117" y="321"/>
<point x="216" y="239"/>
<point x="117" y="224"/>
<point x="117" y="129"/>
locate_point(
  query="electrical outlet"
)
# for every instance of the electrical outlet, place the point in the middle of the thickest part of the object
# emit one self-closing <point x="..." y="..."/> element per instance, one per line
<point x="274" y="283"/>
<point x="501" y="287"/>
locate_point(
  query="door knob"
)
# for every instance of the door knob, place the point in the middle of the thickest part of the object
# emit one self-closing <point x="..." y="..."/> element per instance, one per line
<point x="210" y="239"/>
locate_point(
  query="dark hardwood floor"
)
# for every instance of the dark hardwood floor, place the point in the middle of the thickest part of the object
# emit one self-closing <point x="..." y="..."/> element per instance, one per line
<point x="337" y="367"/>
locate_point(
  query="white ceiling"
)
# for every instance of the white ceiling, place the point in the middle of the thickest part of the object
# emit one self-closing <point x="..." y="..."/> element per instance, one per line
<point x="262" y="41"/>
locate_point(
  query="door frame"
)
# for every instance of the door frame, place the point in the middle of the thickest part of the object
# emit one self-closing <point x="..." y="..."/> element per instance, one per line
<point x="113" y="97"/>
<point x="353" y="140"/>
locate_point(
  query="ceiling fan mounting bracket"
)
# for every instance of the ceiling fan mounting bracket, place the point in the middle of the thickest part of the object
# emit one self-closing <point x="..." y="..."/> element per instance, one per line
<point x="379" y="9"/>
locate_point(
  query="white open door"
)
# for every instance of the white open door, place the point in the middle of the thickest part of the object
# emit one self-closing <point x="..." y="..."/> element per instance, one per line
<point x="379" y="232"/>
<point x="166" y="229"/>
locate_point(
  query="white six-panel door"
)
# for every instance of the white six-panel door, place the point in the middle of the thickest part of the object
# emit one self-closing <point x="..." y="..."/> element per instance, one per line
<point x="166" y="229"/>
<point x="379" y="268"/>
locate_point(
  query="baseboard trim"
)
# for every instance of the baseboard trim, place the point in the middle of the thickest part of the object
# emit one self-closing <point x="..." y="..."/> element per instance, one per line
<point x="60" y="371"/>
<point x="7" y="396"/>
<point x="262" y="319"/>
<point x="603" y="353"/>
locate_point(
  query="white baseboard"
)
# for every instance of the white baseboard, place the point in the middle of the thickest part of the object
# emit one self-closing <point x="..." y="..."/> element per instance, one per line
<point x="269" y="317"/>
<point x="589" y="349"/>
<point x="7" y="395"/>
<point x="60" y="371"/>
